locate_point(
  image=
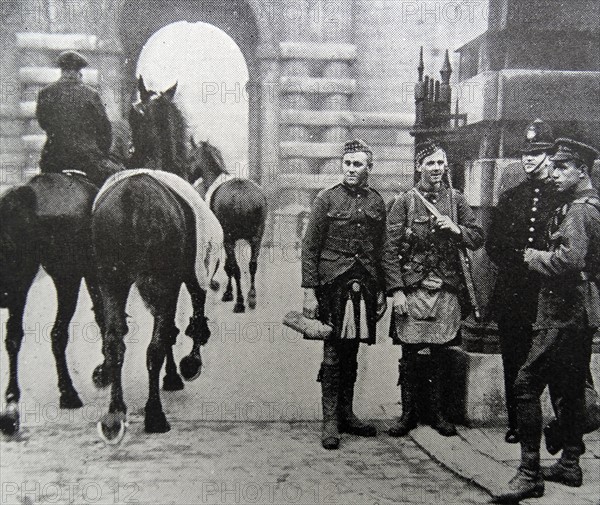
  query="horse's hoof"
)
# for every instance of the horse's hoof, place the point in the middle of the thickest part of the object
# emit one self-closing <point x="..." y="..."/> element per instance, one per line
<point x="239" y="308"/>
<point x="10" y="421"/>
<point x="190" y="367"/>
<point x="172" y="382"/>
<point x="70" y="401"/>
<point x="214" y="285"/>
<point x="112" y="428"/>
<point x="252" y="302"/>
<point x="227" y="297"/>
<point x="156" y="422"/>
<point x="100" y="378"/>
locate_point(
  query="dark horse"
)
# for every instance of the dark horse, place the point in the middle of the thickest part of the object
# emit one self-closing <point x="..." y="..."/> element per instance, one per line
<point x="45" y="222"/>
<point x="143" y="234"/>
<point x="241" y="207"/>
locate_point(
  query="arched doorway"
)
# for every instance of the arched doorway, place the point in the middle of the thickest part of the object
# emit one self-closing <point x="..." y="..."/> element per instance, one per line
<point x="140" y="20"/>
<point x="212" y="76"/>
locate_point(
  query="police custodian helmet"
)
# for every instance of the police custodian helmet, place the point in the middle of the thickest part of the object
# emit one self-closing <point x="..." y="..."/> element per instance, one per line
<point x="538" y="137"/>
<point x="71" y="60"/>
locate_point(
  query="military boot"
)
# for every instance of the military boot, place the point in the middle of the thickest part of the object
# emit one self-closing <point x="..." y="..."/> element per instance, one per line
<point x="527" y="483"/>
<point x="438" y="421"/>
<point x="566" y="470"/>
<point x="347" y="421"/>
<point x="330" y="437"/>
<point x="408" y="395"/>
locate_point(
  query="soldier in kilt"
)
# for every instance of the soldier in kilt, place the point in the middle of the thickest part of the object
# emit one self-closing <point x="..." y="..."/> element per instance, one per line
<point x="423" y="274"/>
<point x="343" y="284"/>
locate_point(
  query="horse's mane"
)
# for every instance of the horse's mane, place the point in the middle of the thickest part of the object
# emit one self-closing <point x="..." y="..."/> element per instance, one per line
<point x="217" y="157"/>
<point x="166" y="149"/>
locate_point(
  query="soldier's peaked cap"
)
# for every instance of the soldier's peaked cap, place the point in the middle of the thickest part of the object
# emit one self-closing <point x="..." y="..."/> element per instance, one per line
<point x="71" y="60"/>
<point x="569" y="149"/>
<point x="357" y="146"/>
<point x="538" y="137"/>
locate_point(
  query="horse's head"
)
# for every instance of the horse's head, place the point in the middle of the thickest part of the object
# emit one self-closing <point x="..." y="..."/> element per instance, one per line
<point x="206" y="162"/>
<point x="158" y="131"/>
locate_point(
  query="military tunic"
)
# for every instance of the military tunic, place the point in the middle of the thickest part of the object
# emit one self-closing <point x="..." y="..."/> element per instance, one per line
<point x="568" y="315"/>
<point x="79" y="131"/>
<point x="343" y="242"/>
<point x="424" y="262"/>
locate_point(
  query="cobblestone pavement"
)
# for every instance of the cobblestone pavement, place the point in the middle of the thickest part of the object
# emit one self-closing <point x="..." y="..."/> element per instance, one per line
<point x="224" y="446"/>
<point x="221" y="463"/>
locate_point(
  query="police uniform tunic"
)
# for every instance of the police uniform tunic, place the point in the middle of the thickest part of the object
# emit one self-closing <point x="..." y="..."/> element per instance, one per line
<point x="518" y="222"/>
<point x="78" y="129"/>
<point x="423" y="261"/>
<point x="342" y="244"/>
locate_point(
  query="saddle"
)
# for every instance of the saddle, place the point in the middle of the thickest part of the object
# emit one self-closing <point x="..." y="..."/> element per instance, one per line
<point x="66" y="195"/>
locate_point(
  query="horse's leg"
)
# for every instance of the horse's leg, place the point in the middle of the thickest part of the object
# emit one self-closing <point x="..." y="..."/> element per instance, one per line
<point x="172" y="380"/>
<point x="253" y="266"/>
<point x="239" y="307"/>
<point x="67" y="291"/>
<point x="197" y="330"/>
<point x="162" y="300"/>
<point x="229" y="247"/>
<point x="9" y="420"/>
<point x="97" y="304"/>
<point x="113" y="347"/>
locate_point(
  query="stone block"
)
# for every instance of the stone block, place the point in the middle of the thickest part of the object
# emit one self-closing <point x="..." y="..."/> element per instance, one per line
<point x="475" y="389"/>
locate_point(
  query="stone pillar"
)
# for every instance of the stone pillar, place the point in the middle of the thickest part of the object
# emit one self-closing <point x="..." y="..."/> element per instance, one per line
<point x="336" y="101"/>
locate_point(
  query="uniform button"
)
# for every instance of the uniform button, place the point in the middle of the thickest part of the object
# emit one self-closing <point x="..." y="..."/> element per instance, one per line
<point x="360" y="210"/>
<point x="532" y="229"/>
<point x="536" y="200"/>
<point x="533" y="219"/>
<point x="359" y="225"/>
<point x="530" y="239"/>
<point x="357" y="256"/>
<point x="433" y="200"/>
<point x="533" y="209"/>
<point x="537" y="190"/>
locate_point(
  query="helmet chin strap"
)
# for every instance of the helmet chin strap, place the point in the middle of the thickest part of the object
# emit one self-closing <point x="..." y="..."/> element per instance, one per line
<point x="542" y="174"/>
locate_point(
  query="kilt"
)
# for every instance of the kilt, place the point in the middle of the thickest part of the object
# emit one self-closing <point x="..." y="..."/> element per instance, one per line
<point x="433" y="317"/>
<point x="333" y="299"/>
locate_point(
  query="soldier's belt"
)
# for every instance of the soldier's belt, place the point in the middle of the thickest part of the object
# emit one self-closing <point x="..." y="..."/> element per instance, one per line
<point x="349" y="246"/>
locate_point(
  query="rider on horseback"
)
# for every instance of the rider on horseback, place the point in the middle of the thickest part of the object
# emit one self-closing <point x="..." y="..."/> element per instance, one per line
<point x="74" y="118"/>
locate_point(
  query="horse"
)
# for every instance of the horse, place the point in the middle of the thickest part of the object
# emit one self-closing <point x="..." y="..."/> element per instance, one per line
<point x="45" y="222"/>
<point x="143" y="234"/>
<point x="241" y="207"/>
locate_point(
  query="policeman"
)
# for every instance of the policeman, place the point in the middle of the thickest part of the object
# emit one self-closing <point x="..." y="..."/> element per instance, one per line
<point x="343" y="284"/>
<point x="423" y="274"/>
<point x="78" y="129"/>
<point x="518" y="222"/>
<point x="568" y="315"/>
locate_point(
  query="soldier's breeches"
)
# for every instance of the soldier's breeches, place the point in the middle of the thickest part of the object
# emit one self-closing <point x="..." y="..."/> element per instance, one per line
<point x="558" y="358"/>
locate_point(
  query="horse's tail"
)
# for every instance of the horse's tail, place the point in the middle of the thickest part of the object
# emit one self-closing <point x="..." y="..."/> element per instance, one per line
<point x="17" y="218"/>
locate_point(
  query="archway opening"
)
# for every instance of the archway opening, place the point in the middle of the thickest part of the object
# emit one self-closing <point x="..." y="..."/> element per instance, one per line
<point x="212" y="78"/>
<point x="233" y="17"/>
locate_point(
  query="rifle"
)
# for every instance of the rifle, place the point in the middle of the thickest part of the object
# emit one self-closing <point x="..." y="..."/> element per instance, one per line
<point x="465" y="261"/>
